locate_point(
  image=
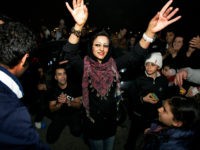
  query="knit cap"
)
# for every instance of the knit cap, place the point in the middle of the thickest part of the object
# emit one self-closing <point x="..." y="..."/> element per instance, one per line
<point x="155" y="58"/>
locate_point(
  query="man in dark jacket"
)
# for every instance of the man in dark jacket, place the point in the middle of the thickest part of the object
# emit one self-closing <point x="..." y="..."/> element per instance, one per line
<point x="16" y="129"/>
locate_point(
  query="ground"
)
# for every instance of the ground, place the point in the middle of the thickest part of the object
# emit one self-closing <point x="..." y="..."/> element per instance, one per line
<point x="69" y="142"/>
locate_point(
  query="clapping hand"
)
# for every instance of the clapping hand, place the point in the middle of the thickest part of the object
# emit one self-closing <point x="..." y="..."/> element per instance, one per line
<point x="62" y="98"/>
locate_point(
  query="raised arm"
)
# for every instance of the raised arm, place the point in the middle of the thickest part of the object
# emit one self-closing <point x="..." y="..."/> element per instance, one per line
<point x="161" y="20"/>
<point x="80" y="14"/>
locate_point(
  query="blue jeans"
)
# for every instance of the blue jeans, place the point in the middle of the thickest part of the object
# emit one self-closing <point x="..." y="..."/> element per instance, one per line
<point x="103" y="144"/>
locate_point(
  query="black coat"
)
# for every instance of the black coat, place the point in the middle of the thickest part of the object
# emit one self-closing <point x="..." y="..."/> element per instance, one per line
<point x="103" y="111"/>
<point x="140" y="88"/>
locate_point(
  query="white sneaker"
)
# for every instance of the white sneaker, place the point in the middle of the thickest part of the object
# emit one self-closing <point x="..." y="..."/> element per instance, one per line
<point x="38" y="125"/>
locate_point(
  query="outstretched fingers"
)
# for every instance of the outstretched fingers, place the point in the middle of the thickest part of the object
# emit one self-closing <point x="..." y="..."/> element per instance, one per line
<point x="163" y="10"/>
<point x="77" y="3"/>
<point x="174" y="20"/>
<point x="69" y="7"/>
<point x="168" y="11"/>
<point x="74" y="4"/>
<point x="82" y="2"/>
<point x="172" y="13"/>
<point x="85" y="9"/>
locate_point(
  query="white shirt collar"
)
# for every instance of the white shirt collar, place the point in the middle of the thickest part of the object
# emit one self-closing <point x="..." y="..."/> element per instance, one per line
<point x="11" y="84"/>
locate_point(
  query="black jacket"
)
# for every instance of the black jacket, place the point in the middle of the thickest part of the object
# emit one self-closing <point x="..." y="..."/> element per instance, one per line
<point x="103" y="111"/>
<point x="141" y="87"/>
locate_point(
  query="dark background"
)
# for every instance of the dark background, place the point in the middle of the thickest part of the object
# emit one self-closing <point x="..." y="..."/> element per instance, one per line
<point x="133" y="14"/>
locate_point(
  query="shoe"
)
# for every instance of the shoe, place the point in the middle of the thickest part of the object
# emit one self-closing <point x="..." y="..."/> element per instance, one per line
<point x="40" y="125"/>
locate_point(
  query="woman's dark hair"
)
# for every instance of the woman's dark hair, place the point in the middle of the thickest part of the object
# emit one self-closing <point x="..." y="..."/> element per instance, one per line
<point x="58" y="66"/>
<point x="99" y="33"/>
<point x="185" y="110"/>
<point x="185" y="42"/>
<point x="16" y="40"/>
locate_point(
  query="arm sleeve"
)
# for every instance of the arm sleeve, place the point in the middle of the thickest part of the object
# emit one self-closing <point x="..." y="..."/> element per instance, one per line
<point x="133" y="95"/>
<point x="135" y="57"/>
<point x="71" y="52"/>
<point x="193" y="75"/>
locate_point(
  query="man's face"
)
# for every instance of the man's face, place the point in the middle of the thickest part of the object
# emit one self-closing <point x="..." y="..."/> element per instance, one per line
<point x="61" y="76"/>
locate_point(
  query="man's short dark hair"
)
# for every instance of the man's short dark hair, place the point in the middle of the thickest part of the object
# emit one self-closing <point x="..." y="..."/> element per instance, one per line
<point x="16" y="40"/>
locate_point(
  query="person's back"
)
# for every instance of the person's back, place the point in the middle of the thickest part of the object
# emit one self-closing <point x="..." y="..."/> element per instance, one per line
<point x="16" y="128"/>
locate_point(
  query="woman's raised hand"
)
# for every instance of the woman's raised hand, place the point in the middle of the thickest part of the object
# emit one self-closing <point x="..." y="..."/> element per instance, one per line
<point x="163" y="18"/>
<point x="79" y="12"/>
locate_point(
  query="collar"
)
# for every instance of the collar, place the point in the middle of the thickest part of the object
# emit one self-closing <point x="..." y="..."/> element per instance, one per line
<point x="11" y="82"/>
<point x="157" y="74"/>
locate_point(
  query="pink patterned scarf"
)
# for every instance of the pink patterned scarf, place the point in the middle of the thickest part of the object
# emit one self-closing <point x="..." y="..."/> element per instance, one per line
<point x="100" y="77"/>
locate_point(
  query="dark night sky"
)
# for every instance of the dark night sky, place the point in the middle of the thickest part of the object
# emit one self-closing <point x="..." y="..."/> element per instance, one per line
<point x="133" y="14"/>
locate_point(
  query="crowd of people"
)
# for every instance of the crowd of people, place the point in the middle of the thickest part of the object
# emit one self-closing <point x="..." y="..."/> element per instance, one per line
<point x="81" y="87"/>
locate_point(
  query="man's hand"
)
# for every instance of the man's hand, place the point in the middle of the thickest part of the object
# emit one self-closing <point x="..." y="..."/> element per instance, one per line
<point x="180" y="77"/>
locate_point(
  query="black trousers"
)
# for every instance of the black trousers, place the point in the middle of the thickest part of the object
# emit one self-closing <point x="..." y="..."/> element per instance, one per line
<point x="58" y="124"/>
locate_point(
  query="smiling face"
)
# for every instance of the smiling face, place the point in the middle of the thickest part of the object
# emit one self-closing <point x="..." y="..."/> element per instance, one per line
<point x="100" y="47"/>
<point x="61" y="76"/>
<point x="178" y="43"/>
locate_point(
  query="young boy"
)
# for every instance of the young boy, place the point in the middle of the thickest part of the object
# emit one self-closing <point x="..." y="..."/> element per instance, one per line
<point x="145" y="96"/>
